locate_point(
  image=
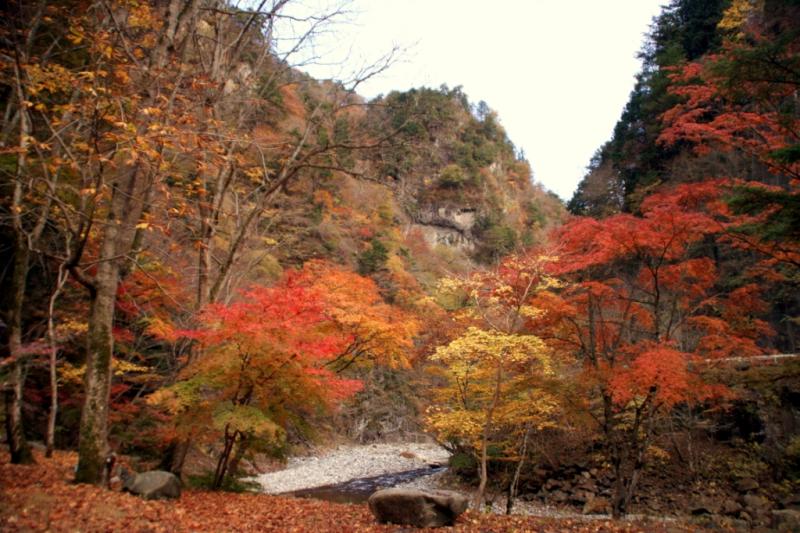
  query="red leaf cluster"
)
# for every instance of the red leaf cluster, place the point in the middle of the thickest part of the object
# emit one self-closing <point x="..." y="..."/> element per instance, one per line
<point x="642" y="301"/>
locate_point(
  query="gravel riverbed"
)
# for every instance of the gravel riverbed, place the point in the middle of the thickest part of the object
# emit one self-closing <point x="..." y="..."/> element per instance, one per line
<point x="349" y="462"/>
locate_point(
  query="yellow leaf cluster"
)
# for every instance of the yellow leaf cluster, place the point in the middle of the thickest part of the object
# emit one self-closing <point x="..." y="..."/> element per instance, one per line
<point x="74" y="374"/>
<point x="736" y="16"/>
<point x="494" y="347"/>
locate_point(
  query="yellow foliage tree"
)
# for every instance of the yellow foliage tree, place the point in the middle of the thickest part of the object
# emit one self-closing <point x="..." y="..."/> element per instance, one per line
<point x="492" y="395"/>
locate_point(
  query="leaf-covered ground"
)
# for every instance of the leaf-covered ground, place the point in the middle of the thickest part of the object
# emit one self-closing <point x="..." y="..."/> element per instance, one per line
<point x="42" y="498"/>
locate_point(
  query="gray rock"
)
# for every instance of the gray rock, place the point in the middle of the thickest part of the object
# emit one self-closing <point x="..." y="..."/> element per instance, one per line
<point x="704" y="505"/>
<point x="419" y="508"/>
<point x="153" y="485"/>
<point x="754" y="502"/>
<point x="746" y="484"/>
<point x="731" y="507"/>
<point x="786" y="520"/>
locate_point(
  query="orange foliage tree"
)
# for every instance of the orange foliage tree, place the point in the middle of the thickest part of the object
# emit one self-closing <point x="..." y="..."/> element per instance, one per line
<point x="378" y="332"/>
<point x="640" y="312"/>
<point x="742" y="101"/>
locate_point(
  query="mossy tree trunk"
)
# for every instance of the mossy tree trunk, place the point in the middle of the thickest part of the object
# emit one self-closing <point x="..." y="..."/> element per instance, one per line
<point x="93" y="436"/>
<point x="130" y="194"/>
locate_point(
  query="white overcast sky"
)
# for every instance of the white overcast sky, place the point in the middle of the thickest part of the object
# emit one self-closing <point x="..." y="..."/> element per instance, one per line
<point x="558" y="72"/>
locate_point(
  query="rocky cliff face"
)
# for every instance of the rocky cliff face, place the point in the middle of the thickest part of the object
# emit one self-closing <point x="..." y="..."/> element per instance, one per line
<point x="447" y="226"/>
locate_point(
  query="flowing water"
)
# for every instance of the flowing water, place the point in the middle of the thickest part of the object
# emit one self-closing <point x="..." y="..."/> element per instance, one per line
<point x="359" y="490"/>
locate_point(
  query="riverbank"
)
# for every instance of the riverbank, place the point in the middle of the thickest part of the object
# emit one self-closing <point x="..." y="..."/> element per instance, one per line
<point x="332" y="469"/>
<point x="42" y="497"/>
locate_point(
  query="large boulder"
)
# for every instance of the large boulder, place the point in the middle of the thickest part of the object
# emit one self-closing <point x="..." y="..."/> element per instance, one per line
<point x="152" y="485"/>
<point x="420" y="508"/>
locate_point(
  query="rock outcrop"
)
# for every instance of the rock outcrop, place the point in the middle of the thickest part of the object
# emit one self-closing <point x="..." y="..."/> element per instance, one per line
<point x="448" y="226"/>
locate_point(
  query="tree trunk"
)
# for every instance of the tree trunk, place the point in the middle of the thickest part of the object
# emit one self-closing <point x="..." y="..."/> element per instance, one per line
<point x="17" y="444"/>
<point x="50" y="439"/>
<point x="224" y="457"/>
<point x="233" y="467"/>
<point x="63" y="274"/>
<point x="130" y="193"/>
<point x="203" y="268"/>
<point x="179" y="456"/>
<point x="484" y="459"/>
<point x="175" y="455"/>
<point x="618" y="494"/>
<point x="640" y="447"/>
<point x="483" y="475"/>
<point x="512" y="488"/>
<point x="93" y="436"/>
<point x="632" y="483"/>
<point x="615" y="457"/>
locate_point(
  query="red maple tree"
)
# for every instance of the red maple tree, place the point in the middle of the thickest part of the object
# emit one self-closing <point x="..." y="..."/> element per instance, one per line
<point x="640" y="312"/>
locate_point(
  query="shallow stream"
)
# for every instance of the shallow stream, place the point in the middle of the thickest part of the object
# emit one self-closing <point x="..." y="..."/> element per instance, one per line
<point x="359" y="490"/>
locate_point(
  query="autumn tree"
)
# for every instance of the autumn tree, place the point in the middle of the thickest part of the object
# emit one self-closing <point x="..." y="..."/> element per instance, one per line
<point x="640" y="311"/>
<point x="632" y="161"/>
<point x="98" y="117"/>
<point x="741" y="102"/>
<point x="274" y="357"/>
<point x="27" y="220"/>
<point x="277" y="356"/>
<point x="493" y="394"/>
